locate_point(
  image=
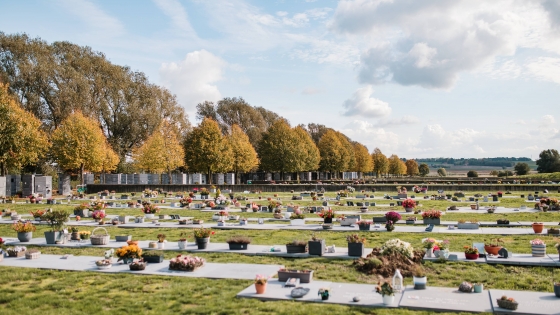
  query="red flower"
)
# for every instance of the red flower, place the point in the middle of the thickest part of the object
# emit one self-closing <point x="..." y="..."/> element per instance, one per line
<point x="212" y="232"/>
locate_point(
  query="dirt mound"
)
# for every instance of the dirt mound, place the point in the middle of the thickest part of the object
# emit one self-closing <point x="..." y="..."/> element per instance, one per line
<point x="385" y="265"/>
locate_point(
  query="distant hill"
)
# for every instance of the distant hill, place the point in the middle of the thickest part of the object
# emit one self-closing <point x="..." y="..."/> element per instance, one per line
<point x="497" y="162"/>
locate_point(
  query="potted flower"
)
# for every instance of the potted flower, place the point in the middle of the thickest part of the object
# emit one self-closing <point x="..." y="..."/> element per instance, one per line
<point x="98" y="215"/>
<point x="137" y="265"/>
<point x="507" y="303"/>
<point x="296" y="246"/>
<point x="538" y="248"/>
<point x="75" y="236"/>
<point x="104" y="264"/>
<point x="429" y="245"/>
<point x="37" y="214"/>
<point x="84" y="235"/>
<point x="410" y="220"/>
<point x="364" y="225"/>
<point x="128" y="253"/>
<point x="260" y="283"/>
<point x="278" y="214"/>
<point x="327" y="215"/>
<point x="502" y="221"/>
<point x="238" y="242"/>
<point x="409" y="205"/>
<point x="297" y="218"/>
<point x="431" y="217"/>
<point x="82" y="210"/>
<point x="324" y="293"/>
<point x="392" y="218"/>
<point x="471" y="225"/>
<point x="24" y="230"/>
<point x="304" y="276"/>
<point x="537" y="227"/>
<point x="356" y="245"/>
<point x="186" y="263"/>
<point x="182" y="242"/>
<point x="56" y="220"/>
<point x="150" y="210"/>
<point x="419" y="278"/>
<point x="493" y="248"/>
<point x="316" y="245"/>
<point x="152" y="256"/>
<point x="386" y="291"/>
<point x="471" y="253"/>
<point x="202" y="237"/>
<point x="161" y="241"/>
<point x="16" y="251"/>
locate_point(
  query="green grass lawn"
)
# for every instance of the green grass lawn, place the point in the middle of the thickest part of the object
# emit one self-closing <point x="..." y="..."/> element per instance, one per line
<point x="31" y="291"/>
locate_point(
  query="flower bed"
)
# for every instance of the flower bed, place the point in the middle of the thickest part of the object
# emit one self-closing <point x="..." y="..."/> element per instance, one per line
<point x="186" y="263"/>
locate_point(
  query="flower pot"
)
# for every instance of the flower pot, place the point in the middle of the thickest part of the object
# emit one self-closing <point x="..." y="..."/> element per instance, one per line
<point x="153" y="259"/>
<point x="557" y="290"/>
<point x="237" y="246"/>
<point x="297" y="222"/>
<point x="432" y="221"/>
<point x="24" y="236"/>
<point x="356" y="249"/>
<point x="123" y="238"/>
<point x="327" y="220"/>
<point x="478" y="288"/>
<point x="430" y="252"/>
<point x="202" y="243"/>
<point x="538" y="227"/>
<point x="467" y="226"/>
<point x="538" y="250"/>
<point x="388" y="299"/>
<point x="316" y="247"/>
<point x="409" y="209"/>
<point x="419" y="282"/>
<point x="295" y="249"/>
<point x="471" y="256"/>
<point x="364" y="227"/>
<point x="182" y="244"/>
<point x="160" y="245"/>
<point x="149" y="216"/>
<point x="261" y="288"/>
<point x="51" y="237"/>
<point x="75" y="236"/>
<point x="493" y="250"/>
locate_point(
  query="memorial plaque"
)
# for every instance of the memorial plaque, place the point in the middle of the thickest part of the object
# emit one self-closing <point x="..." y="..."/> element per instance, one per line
<point x="445" y="299"/>
<point x="529" y="302"/>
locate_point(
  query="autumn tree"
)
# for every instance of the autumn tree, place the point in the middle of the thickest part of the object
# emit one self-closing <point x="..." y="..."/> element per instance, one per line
<point x="424" y="169"/>
<point x="442" y="172"/>
<point x="364" y="162"/>
<point x="207" y="150"/>
<point x="79" y="144"/>
<point x="162" y="151"/>
<point x="21" y="140"/>
<point x="412" y="168"/>
<point x="280" y="149"/>
<point x="395" y="166"/>
<point x="311" y="155"/>
<point x="380" y="162"/>
<point x="332" y="153"/>
<point x="244" y="155"/>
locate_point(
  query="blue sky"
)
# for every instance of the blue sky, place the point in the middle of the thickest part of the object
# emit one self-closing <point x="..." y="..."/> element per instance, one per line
<point x="432" y="78"/>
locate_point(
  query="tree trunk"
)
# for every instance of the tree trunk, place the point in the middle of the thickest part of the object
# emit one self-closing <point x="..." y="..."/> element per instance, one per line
<point x="297" y="176"/>
<point x="237" y="179"/>
<point x="3" y="170"/>
<point x="209" y="177"/>
<point x="82" y="173"/>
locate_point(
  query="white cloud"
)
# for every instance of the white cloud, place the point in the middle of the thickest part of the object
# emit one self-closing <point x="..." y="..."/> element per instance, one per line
<point x="372" y="137"/>
<point x="178" y="15"/>
<point x="362" y="104"/>
<point x="545" y="68"/>
<point x="101" y="24"/>
<point x="394" y="122"/>
<point x="193" y="78"/>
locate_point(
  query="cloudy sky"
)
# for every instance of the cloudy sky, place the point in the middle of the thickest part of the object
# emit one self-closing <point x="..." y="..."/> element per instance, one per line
<point x="430" y="78"/>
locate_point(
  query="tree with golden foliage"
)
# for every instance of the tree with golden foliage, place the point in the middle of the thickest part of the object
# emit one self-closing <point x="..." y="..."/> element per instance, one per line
<point x="364" y="162"/>
<point x="79" y="144"/>
<point x="396" y="166"/>
<point x="280" y="149"/>
<point x="380" y="162"/>
<point x="162" y="151"/>
<point x="311" y="155"/>
<point x="21" y="140"/>
<point x="333" y="152"/>
<point x="244" y="155"/>
<point x="412" y="168"/>
<point x="207" y="150"/>
<point x="349" y="158"/>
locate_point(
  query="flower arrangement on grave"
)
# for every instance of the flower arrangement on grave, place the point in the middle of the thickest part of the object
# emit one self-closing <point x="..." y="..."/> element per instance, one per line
<point x="411" y="218"/>
<point x="470" y="249"/>
<point x="84" y="235"/>
<point x="340" y="217"/>
<point x="355" y="238"/>
<point x="238" y="239"/>
<point x="103" y="263"/>
<point x="429" y="243"/>
<point x="272" y="204"/>
<point x="185" y="201"/>
<point x="537" y="241"/>
<point x="327" y="214"/>
<point x="204" y="192"/>
<point x="13" y="251"/>
<point x="323" y="293"/>
<point x="96" y="206"/>
<point x="507" y="303"/>
<point x="223" y="213"/>
<point x="409" y="203"/>
<point x="254" y="206"/>
<point x="38" y="213"/>
<point x="397" y="246"/>
<point x="431" y="214"/>
<point x="384" y="288"/>
<point x="203" y="233"/>
<point x="210" y="204"/>
<point x="23" y="227"/>
<point x="364" y="223"/>
<point x="129" y="252"/>
<point x="98" y="215"/>
<point x="392" y="216"/>
<point x="150" y="209"/>
<point x="186" y="263"/>
<point x="297" y="214"/>
<point x="261" y="279"/>
<point x="443" y="245"/>
<point x="161" y="238"/>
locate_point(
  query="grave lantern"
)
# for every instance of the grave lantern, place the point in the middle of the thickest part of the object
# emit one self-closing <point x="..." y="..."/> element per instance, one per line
<point x="397" y="281"/>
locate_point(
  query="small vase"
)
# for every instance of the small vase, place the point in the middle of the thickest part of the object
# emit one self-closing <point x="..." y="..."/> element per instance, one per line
<point x="430" y="252"/>
<point x="160" y="245"/>
<point x="202" y="243"/>
<point x="388" y="299"/>
<point x="182" y="244"/>
<point x="261" y="288"/>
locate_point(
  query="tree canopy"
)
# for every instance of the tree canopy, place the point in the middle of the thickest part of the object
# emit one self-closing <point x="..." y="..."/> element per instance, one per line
<point x="549" y="161"/>
<point x="522" y="168"/>
<point x="380" y="162"/>
<point x="244" y="155"/>
<point x="332" y="152"/>
<point x="280" y="149"/>
<point x="161" y="152"/>
<point x="364" y="161"/>
<point x="412" y="168"/>
<point x="423" y="169"/>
